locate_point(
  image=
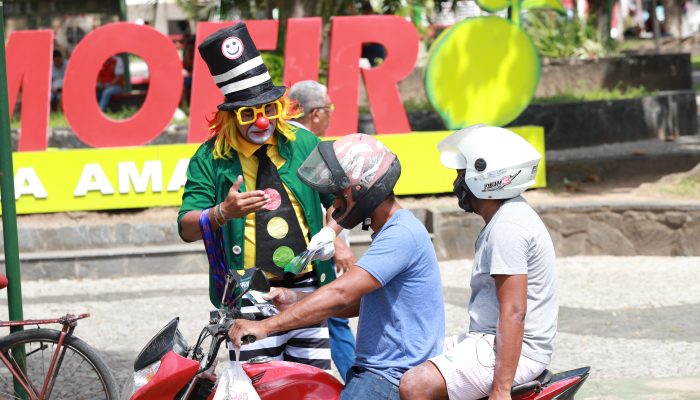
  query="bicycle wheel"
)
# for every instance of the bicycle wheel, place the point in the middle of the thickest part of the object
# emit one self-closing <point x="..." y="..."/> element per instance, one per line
<point x="82" y="375"/>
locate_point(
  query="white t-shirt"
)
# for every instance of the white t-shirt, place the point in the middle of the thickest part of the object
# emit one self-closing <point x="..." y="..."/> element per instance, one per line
<point x="516" y="242"/>
<point x="119" y="66"/>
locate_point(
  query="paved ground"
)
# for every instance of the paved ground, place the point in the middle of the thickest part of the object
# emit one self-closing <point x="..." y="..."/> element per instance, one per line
<point x="634" y="320"/>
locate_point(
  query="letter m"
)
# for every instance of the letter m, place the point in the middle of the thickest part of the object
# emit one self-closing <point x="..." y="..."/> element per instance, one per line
<point x="29" y="71"/>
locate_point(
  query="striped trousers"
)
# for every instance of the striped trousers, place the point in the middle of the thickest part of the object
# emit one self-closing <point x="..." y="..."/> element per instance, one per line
<point x="308" y="345"/>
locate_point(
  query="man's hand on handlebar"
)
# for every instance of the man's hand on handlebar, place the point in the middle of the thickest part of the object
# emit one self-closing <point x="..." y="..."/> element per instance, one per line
<point x="244" y="328"/>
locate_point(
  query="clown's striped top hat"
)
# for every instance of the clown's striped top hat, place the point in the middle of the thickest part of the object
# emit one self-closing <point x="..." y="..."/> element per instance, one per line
<point x="237" y="68"/>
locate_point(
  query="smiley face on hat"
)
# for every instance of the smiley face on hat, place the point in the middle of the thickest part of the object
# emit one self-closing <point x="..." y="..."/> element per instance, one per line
<point x="237" y="68"/>
<point x="232" y="48"/>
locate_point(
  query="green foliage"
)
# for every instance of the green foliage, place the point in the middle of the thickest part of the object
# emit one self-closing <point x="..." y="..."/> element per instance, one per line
<point x="554" y="5"/>
<point x="556" y="36"/>
<point x="595" y="95"/>
<point x="58" y="119"/>
<point x="695" y="61"/>
<point x="411" y="105"/>
<point x="198" y="10"/>
<point x="688" y="186"/>
<point x="275" y="64"/>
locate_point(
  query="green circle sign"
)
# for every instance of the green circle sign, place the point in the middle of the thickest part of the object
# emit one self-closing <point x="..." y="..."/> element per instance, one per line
<point x="282" y="256"/>
<point x="493" y="5"/>
<point x="482" y="70"/>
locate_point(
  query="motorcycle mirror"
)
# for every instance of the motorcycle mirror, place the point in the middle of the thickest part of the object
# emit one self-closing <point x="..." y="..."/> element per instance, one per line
<point x="259" y="281"/>
<point x="231" y="285"/>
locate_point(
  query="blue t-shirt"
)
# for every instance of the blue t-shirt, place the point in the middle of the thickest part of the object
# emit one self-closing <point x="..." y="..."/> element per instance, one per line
<point x="402" y="324"/>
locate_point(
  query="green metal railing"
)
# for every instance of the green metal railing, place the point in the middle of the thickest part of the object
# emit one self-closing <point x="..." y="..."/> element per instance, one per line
<point x="9" y="212"/>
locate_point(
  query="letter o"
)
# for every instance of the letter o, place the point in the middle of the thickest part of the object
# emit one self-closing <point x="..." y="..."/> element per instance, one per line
<point x="165" y="85"/>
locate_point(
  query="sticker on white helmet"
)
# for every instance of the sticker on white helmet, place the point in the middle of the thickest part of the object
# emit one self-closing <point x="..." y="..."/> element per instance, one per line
<point x="501" y="183"/>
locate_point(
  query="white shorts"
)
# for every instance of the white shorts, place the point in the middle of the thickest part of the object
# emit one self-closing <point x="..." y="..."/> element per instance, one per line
<point x="467" y="365"/>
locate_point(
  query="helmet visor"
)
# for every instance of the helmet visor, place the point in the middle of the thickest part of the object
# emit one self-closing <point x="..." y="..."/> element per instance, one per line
<point x="322" y="171"/>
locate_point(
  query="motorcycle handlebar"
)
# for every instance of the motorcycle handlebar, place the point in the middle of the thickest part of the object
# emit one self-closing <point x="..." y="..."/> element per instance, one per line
<point x="226" y="326"/>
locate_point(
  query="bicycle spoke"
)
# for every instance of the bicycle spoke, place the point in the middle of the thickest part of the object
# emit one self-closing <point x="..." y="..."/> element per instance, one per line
<point x="74" y="375"/>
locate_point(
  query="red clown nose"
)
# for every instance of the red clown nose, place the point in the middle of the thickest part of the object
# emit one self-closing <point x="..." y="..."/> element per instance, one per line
<point x="262" y="123"/>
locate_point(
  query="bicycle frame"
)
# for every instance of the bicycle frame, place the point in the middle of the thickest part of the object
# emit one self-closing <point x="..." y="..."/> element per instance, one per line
<point x="69" y="322"/>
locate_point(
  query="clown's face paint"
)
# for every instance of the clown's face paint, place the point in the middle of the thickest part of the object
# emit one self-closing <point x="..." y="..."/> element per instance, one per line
<point x="254" y="134"/>
<point x="232" y="48"/>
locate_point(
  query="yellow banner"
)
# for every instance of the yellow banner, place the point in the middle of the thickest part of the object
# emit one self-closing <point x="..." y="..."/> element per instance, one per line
<point x="154" y="176"/>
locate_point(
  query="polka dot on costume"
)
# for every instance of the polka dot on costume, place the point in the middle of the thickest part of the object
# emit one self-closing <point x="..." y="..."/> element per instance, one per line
<point x="282" y="256"/>
<point x="275" y="199"/>
<point x="277" y="227"/>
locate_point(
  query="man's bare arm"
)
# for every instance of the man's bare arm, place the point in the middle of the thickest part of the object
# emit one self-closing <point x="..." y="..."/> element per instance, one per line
<point x="337" y="298"/>
<point x="511" y="291"/>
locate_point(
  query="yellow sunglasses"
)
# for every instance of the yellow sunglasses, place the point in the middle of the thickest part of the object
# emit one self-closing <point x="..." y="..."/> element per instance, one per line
<point x="247" y="115"/>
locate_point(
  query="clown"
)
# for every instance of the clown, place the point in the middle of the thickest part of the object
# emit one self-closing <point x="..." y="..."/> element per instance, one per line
<point x="243" y="197"/>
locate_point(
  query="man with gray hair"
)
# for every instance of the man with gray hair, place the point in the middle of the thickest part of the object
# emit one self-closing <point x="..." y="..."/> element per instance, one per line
<point x="313" y="98"/>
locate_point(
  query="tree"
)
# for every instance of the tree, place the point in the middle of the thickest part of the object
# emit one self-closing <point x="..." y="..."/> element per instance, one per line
<point x="197" y="10"/>
<point x="600" y="13"/>
<point x="674" y="15"/>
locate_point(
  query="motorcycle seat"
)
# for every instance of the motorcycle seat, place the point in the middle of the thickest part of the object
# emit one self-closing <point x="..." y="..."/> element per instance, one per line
<point x="534" y="385"/>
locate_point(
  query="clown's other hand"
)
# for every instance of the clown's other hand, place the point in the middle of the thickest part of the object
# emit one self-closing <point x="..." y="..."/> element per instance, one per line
<point x="323" y="244"/>
<point x="282" y="298"/>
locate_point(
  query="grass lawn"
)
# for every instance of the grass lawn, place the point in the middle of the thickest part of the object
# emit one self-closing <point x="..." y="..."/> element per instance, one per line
<point x="695" y="61"/>
<point x="594" y="95"/>
<point x="58" y="120"/>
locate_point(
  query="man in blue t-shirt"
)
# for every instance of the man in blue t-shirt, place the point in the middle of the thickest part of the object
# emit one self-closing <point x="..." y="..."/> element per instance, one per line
<point x="394" y="288"/>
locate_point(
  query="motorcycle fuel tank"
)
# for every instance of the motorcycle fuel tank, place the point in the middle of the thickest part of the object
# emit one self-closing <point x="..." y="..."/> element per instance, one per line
<point x="278" y="380"/>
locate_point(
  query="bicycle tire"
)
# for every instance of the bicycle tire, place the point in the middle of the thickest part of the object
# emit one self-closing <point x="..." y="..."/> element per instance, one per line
<point x="67" y="385"/>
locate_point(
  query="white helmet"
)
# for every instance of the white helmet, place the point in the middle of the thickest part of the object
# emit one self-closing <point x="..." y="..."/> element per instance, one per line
<point x="498" y="163"/>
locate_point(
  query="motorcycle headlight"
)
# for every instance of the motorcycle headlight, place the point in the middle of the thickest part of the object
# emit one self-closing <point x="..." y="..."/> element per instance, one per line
<point x="143" y="376"/>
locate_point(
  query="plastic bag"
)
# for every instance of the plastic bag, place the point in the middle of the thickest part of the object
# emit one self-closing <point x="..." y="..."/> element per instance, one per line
<point x="234" y="383"/>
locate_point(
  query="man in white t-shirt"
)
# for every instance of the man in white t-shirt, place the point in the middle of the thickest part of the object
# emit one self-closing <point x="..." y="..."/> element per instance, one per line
<point x="514" y="302"/>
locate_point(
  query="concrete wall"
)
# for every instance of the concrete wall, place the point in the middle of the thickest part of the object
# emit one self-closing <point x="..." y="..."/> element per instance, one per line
<point x="616" y="229"/>
<point x="127" y="245"/>
<point x="654" y="72"/>
<point x="567" y="125"/>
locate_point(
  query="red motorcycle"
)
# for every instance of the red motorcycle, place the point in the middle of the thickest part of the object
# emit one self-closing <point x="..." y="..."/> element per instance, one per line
<point x="169" y="369"/>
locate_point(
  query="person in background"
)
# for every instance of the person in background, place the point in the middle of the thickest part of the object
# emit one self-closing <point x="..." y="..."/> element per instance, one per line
<point x="110" y="80"/>
<point x="188" y="41"/>
<point x="313" y="98"/>
<point x="58" y="71"/>
<point x="514" y="301"/>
